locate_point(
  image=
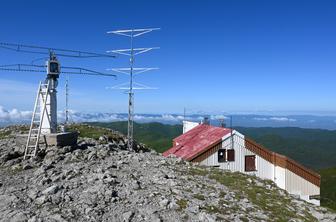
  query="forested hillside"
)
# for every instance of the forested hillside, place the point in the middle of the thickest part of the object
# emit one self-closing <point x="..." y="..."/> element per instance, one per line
<point x="315" y="148"/>
<point x="328" y="187"/>
<point x="156" y="135"/>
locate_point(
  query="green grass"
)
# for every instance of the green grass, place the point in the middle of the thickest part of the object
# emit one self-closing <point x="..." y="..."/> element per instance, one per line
<point x="93" y="132"/>
<point x="182" y="204"/>
<point x="199" y="196"/>
<point x="4" y="134"/>
<point x="198" y="171"/>
<point x="212" y="209"/>
<point x="328" y="188"/>
<point x="157" y="136"/>
<point x="277" y="210"/>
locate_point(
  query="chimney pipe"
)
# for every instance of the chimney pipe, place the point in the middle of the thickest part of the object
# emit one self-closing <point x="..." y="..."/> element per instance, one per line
<point x="206" y="120"/>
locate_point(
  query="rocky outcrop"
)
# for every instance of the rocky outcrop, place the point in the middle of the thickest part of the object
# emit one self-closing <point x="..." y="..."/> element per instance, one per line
<point x="99" y="180"/>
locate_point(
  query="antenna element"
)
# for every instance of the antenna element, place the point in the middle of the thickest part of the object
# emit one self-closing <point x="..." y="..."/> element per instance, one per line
<point x="131" y="71"/>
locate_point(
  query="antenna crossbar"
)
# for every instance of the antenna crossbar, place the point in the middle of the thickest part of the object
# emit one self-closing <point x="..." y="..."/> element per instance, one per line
<point x="127" y="71"/>
<point x="133" y="32"/>
<point x="46" y="50"/>
<point x="135" y="51"/>
<point x="76" y="70"/>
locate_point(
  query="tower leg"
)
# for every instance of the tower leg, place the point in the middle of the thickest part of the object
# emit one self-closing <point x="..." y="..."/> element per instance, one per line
<point x="49" y="121"/>
<point x="130" y="121"/>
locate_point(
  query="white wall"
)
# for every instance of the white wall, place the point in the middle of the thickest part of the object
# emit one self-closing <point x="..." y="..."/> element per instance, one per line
<point x="264" y="168"/>
<point x="284" y="178"/>
<point x="298" y="185"/>
<point x="280" y="177"/>
<point x="188" y="125"/>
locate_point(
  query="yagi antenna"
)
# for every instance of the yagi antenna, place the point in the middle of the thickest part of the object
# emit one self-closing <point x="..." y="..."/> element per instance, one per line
<point x="65" y="69"/>
<point x="47" y="50"/>
<point x="132" y="71"/>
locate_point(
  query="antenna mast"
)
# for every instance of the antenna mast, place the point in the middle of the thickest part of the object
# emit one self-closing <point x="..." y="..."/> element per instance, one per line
<point x="67" y="100"/>
<point x="131" y="71"/>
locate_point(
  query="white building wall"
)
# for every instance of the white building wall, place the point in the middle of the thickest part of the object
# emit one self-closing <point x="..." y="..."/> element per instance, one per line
<point x="284" y="178"/>
<point x="264" y="168"/>
<point x="299" y="186"/>
<point x="280" y="177"/>
<point x="188" y="125"/>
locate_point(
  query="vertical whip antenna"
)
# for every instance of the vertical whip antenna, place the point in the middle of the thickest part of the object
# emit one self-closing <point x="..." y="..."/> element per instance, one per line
<point x="131" y="71"/>
<point x="67" y="100"/>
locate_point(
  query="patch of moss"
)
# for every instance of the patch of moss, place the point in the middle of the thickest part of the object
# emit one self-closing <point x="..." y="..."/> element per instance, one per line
<point x="15" y="169"/>
<point x="244" y="219"/>
<point x="188" y="190"/>
<point x="211" y="209"/>
<point x="222" y="194"/>
<point x="182" y="203"/>
<point x="199" y="196"/>
<point x="198" y="171"/>
<point x="4" y="134"/>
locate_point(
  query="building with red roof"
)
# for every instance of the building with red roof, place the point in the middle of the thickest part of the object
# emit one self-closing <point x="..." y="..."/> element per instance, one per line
<point x="230" y="150"/>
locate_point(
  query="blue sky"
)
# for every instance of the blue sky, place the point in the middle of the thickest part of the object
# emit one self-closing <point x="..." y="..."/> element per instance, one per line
<point x="215" y="56"/>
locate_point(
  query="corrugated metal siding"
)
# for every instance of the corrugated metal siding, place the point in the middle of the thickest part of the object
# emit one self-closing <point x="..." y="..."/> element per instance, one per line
<point x="264" y="168"/>
<point x="303" y="172"/>
<point x="298" y="185"/>
<point x="283" y="161"/>
<point x="280" y="177"/>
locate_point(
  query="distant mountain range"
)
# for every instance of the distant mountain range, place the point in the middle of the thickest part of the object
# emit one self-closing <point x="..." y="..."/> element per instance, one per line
<point x="15" y="116"/>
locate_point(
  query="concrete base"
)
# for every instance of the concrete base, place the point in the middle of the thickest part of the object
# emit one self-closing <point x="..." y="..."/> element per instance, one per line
<point x="54" y="139"/>
<point x="61" y="139"/>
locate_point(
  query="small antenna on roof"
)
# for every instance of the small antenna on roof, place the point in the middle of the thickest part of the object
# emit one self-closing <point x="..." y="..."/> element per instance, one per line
<point x="232" y="139"/>
<point x="222" y="122"/>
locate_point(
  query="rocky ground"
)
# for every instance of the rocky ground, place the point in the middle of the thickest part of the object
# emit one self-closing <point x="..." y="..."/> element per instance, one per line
<point x="99" y="180"/>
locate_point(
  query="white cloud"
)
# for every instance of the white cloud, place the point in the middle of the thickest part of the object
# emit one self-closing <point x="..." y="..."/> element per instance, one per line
<point x="17" y="116"/>
<point x="219" y="117"/>
<point x="14" y="115"/>
<point x="277" y="119"/>
<point x="282" y="119"/>
<point x="260" y="118"/>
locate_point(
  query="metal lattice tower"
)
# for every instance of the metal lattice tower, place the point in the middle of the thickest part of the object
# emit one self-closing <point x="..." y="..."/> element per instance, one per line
<point x="131" y="71"/>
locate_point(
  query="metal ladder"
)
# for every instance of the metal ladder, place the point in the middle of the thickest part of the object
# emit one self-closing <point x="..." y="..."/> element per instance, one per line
<point x="33" y="140"/>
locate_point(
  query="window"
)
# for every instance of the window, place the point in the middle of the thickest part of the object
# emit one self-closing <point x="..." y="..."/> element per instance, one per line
<point x="221" y="155"/>
<point x="230" y="155"/>
<point x="250" y="164"/>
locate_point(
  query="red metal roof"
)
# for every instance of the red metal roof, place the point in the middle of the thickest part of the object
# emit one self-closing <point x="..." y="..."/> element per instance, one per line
<point x="196" y="141"/>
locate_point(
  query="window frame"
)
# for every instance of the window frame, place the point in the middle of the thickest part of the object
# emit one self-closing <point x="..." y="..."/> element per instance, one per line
<point x="224" y="157"/>
<point x="228" y="156"/>
<point x="255" y="164"/>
